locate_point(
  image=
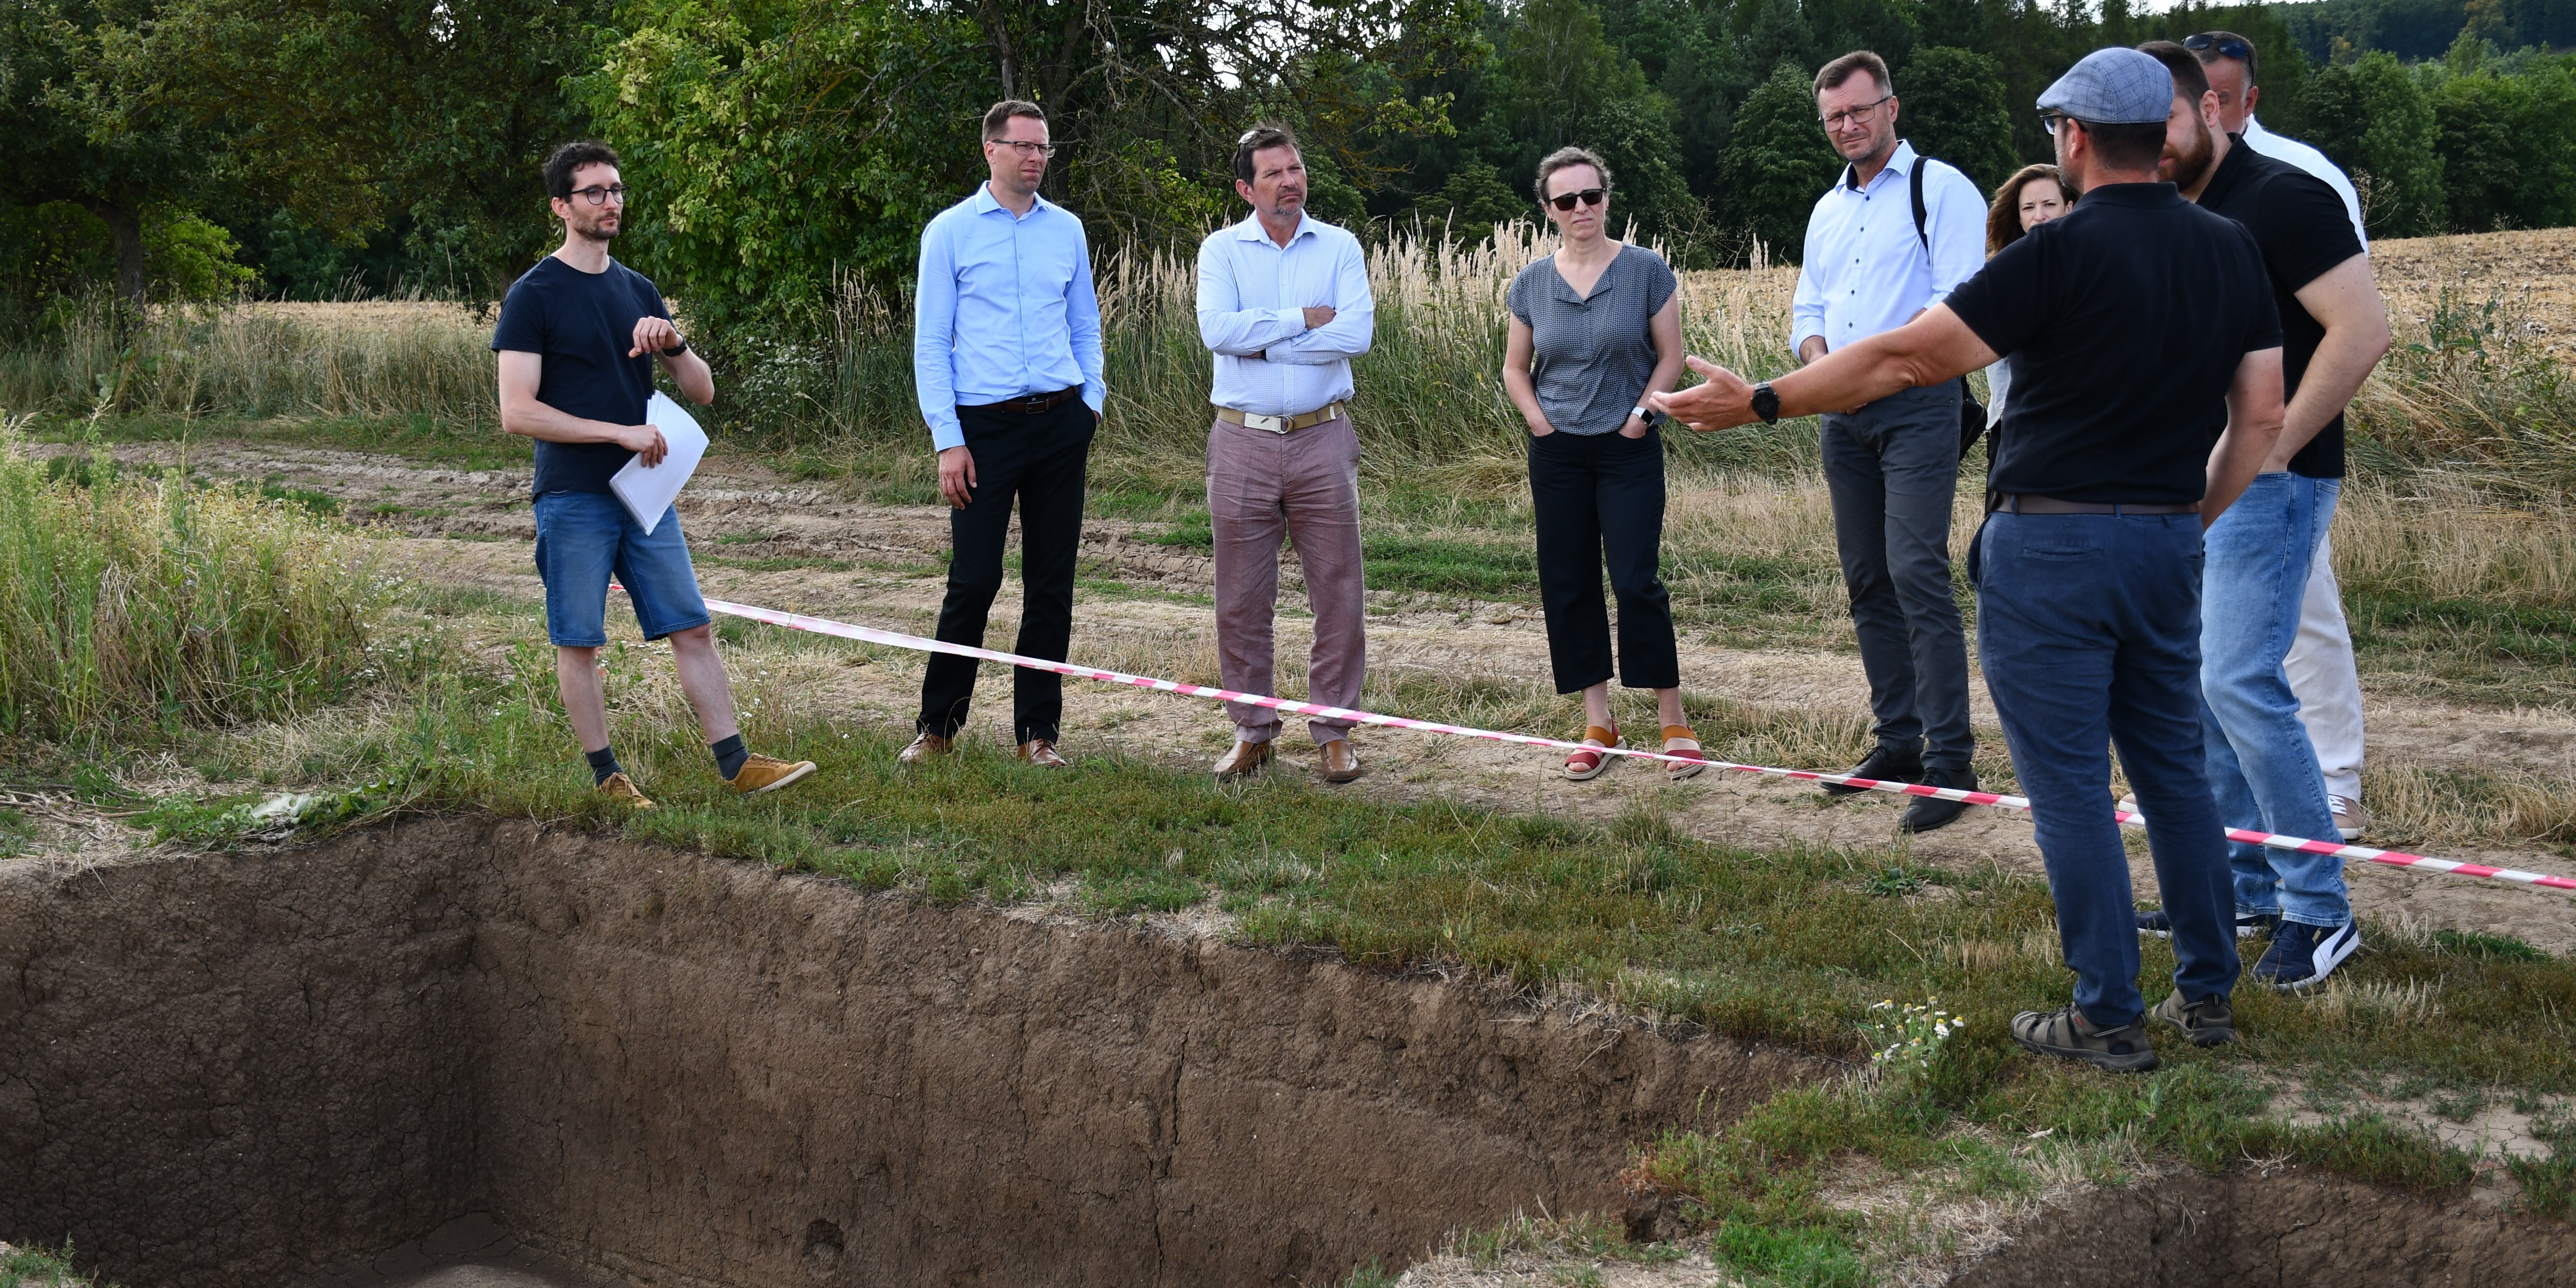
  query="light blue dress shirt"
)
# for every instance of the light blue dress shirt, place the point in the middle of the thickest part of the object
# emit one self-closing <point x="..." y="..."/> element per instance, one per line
<point x="1004" y="307"/>
<point x="1253" y="294"/>
<point x="1865" y="269"/>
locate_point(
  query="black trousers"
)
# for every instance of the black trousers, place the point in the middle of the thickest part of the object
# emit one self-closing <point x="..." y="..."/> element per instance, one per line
<point x="1597" y="495"/>
<point x="1892" y="469"/>
<point x="1039" y="461"/>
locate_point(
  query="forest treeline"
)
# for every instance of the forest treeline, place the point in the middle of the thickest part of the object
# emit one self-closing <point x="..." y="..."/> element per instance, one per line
<point x="781" y="150"/>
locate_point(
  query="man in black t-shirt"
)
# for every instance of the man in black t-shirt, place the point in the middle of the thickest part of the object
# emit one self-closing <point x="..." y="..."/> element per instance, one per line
<point x="2262" y="765"/>
<point x="577" y="341"/>
<point x="2142" y="333"/>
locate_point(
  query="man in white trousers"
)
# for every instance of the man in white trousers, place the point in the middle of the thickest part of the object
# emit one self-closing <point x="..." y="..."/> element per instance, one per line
<point x="2320" y="664"/>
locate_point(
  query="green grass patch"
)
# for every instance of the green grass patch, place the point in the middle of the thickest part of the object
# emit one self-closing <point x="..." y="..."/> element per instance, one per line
<point x="1447" y="567"/>
<point x="43" y="1268"/>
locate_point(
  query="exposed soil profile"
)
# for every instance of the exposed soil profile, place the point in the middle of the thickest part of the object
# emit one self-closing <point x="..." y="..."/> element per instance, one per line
<point x="246" y="1070"/>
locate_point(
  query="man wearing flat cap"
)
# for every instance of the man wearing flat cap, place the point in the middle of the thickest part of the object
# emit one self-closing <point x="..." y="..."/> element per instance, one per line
<point x="2135" y="420"/>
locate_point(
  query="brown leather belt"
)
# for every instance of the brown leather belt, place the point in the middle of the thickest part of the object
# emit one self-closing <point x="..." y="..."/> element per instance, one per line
<point x="1280" y="424"/>
<point x="2026" y="503"/>
<point x="1030" y="404"/>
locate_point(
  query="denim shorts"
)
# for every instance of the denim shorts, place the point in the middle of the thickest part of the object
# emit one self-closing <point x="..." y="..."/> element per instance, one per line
<point x="583" y="537"/>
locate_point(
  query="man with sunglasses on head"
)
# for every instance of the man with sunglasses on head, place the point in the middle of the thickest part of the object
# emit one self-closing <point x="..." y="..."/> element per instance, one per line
<point x="576" y="344"/>
<point x="1284" y="304"/>
<point x="2261" y="765"/>
<point x="2146" y="394"/>
<point x="1871" y="265"/>
<point x="2320" y="665"/>
<point x="1006" y="360"/>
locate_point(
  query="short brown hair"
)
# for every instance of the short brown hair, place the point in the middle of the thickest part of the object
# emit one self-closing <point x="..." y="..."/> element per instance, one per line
<point x="1833" y="74"/>
<point x="2003" y="220"/>
<point x="997" y="118"/>
<point x="2125" y="145"/>
<point x="2190" y="79"/>
<point x="1566" y="159"/>
<point x="1261" y="138"/>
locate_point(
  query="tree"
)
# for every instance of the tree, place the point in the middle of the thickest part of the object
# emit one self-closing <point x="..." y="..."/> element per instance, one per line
<point x="1953" y="101"/>
<point x="1777" y="162"/>
<point x="2376" y="122"/>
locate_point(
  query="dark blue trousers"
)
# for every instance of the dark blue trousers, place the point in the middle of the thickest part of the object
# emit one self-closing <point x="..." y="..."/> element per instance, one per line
<point x="2088" y="628"/>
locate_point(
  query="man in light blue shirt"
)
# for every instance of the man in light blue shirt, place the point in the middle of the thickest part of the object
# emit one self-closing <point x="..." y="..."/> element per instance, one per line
<point x="1872" y="263"/>
<point x="1284" y="304"/>
<point x="1006" y="358"/>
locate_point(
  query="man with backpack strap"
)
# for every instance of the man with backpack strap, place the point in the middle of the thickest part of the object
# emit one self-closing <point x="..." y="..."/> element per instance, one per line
<point x="1871" y="264"/>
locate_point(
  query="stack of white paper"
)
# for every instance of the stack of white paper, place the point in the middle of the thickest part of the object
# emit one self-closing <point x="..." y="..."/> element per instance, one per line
<point x="648" y="493"/>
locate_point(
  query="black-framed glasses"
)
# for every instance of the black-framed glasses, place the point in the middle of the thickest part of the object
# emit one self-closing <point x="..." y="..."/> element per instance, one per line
<point x="1855" y="115"/>
<point x="599" y="196"/>
<point x="1025" y="148"/>
<point x="1589" y="197"/>
<point x="2048" y="120"/>
<point x="2227" y="47"/>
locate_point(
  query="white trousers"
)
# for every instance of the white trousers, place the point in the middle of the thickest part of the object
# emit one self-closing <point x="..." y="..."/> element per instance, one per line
<point x="2321" y="673"/>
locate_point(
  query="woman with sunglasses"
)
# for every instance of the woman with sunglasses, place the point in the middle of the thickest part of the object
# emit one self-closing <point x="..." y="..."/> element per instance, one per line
<point x="1596" y="327"/>
<point x="2023" y="203"/>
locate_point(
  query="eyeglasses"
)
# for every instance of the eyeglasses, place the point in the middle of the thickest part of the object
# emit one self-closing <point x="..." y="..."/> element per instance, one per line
<point x="2048" y="120"/>
<point x="2227" y="47"/>
<point x="1023" y="147"/>
<point x="600" y="196"/>
<point x="1854" y="116"/>
<point x="1589" y="197"/>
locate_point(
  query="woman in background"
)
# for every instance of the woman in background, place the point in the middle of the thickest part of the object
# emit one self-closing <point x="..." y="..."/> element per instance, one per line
<point x="2023" y="203"/>
<point x="1594" y="329"/>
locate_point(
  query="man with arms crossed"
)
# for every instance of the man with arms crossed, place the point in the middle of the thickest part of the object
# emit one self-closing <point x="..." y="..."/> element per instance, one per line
<point x="2320" y="664"/>
<point x="1006" y="361"/>
<point x="1892" y="465"/>
<point x="1284" y="303"/>
<point x="2333" y="331"/>
<point x="2143" y="331"/>
<point x="577" y="341"/>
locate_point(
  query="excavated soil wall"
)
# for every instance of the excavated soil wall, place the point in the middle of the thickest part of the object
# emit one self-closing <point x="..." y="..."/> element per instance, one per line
<point x="239" y="1070"/>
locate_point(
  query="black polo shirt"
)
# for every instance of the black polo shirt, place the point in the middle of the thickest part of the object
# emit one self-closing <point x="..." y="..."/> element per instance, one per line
<point x="2126" y="320"/>
<point x="2301" y="225"/>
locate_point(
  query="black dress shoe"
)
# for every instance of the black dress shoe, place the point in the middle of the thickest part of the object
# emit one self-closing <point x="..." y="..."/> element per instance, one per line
<point x="1928" y="812"/>
<point x="1887" y="764"/>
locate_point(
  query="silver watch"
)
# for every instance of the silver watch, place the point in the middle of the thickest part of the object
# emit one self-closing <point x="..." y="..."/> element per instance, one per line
<point x="1647" y="414"/>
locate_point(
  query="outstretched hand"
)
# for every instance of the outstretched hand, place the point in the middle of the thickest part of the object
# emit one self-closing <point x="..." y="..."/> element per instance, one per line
<point x="1723" y="401"/>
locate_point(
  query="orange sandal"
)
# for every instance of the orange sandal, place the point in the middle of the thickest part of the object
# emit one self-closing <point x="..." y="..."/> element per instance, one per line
<point x="1589" y="763"/>
<point x="1679" y="740"/>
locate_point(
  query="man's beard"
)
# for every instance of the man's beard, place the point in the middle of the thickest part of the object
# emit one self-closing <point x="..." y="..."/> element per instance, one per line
<point x="2191" y="167"/>
<point x="596" y="230"/>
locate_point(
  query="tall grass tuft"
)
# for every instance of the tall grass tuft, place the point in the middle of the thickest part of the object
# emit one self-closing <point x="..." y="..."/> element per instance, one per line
<point x="351" y="358"/>
<point x="130" y="602"/>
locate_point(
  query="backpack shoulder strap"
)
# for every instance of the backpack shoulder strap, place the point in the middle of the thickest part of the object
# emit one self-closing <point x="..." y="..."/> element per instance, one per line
<point x="1921" y="214"/>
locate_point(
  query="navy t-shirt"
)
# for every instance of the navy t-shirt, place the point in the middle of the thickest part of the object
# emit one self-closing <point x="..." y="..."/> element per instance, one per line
<point x="2125" y="320"/>
<point x="2301" y="225"/>
<point x="582" y="324"/>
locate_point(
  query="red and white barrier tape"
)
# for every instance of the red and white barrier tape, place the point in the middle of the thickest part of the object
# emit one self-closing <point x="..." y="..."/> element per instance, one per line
<point x="897" y="639"/>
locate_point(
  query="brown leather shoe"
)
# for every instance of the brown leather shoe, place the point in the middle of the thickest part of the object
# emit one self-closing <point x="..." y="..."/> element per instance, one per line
<point x="1340" y="764"/>
<point x="1244" y="759"/>
<point x="1041" y="753"/>
<point x="925" y="747"/>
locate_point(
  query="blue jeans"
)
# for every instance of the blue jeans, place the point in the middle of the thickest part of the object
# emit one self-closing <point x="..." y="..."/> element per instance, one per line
<point x="2262" y="766"/>
<point x="582" y="537"/>
<point x="2088" y="629"/>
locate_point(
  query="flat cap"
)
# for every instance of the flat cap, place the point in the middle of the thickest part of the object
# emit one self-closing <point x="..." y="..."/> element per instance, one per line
<point x="2113" y="87"/>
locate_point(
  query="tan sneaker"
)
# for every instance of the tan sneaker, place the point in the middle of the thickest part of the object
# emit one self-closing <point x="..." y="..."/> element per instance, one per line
<point x="621" y="789"/>
<point x="768" y="774"/>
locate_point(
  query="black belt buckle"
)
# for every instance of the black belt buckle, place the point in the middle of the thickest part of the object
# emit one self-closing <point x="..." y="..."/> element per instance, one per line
<point x="1033" y="404"/>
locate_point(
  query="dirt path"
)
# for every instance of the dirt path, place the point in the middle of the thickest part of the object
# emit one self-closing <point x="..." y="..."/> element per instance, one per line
<point x="765" y="541"/>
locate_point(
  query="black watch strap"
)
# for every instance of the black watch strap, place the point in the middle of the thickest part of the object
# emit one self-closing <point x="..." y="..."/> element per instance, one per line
<point x="677" y="349"/>
<point x="1766" y="403"/>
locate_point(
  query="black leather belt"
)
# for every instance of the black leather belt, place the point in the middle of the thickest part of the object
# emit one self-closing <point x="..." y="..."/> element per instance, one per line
<point x="2026" y="503"/>
<point x="1031" y="404"/>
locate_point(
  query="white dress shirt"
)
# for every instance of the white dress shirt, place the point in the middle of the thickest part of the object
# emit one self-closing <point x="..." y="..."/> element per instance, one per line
<point x="2283" y="148"/>
<point x="1253" y="295"/>
<point x="1865" y="269"/>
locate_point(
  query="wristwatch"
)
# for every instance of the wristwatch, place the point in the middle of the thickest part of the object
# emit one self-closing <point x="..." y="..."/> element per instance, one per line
<point x="677" y="349"/>
<point x="1647" y="414"/>
<point x="1766" y="403"/>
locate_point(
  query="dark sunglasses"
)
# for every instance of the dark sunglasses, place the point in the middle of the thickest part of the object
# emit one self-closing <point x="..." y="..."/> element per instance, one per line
<point x="2227" y="47"/>
<point x="1589" y="197"/>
